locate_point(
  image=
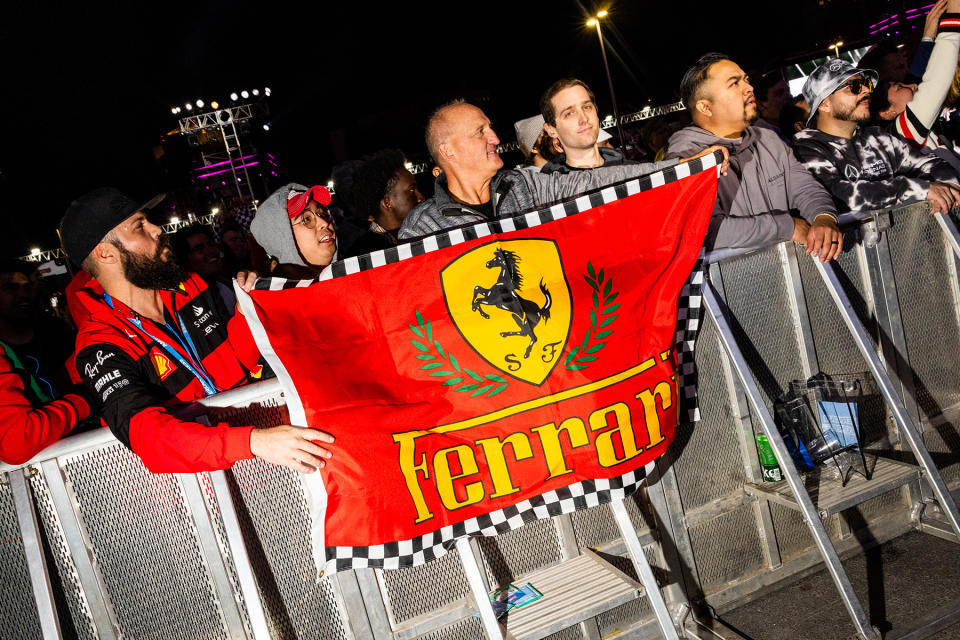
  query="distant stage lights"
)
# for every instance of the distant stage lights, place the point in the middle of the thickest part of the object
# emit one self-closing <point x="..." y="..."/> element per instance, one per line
<point x="266" y="91"/>
<point x="234" y="96"/>
<point x="215" y="210"/>
<point x="174" y="220"/>
<point x="214" y="105"/>
<point x="188" y="107"/>
<point x="175" y="110"/>
<point x="35" y="251"/>
<point x="244" y="94"/>
<point x="255" y="92"/>
<point x="199" y="104"/>
<point x="266" y="127"/>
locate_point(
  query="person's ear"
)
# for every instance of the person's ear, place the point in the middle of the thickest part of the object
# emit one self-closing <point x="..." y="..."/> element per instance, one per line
<point x="704" y="107"/>
<point x="825" y="106"/>
<point x="105" y="253"/>
<point x="551" y="130"/>
<point x="386" y="203"/>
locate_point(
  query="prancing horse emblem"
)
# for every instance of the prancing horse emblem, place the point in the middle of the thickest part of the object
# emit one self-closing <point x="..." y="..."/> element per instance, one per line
<point x="503" y="295"/>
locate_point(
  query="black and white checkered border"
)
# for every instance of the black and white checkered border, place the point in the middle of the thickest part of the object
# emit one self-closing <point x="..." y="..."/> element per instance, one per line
<point x="458" y="235"/>
<point x="416" y="551"/>
<point x="688" y="327"/>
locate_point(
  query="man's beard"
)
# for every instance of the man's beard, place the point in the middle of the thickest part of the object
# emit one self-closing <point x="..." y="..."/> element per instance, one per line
<point x="152" y="272"/>
<point x="847" y="115"/>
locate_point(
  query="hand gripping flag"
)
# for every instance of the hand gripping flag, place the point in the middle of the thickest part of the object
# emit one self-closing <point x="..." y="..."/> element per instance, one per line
<point x="492" y="374"/>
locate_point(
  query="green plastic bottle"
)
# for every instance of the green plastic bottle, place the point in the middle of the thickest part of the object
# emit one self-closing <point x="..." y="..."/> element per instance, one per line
<point x="768" y="461"/>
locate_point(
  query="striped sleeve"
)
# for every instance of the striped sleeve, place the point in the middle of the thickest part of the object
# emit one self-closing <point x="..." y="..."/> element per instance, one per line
<point x="915" y="122"/>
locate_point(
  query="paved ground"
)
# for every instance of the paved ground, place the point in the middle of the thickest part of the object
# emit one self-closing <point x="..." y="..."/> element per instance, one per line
<point x="897" y="583"/>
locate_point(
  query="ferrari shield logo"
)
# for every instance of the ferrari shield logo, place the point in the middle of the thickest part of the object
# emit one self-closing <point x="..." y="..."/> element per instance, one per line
<point x="511" y="303"/>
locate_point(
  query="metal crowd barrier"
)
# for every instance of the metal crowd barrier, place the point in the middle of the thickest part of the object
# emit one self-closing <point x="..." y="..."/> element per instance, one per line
<point x="94" y="546"/>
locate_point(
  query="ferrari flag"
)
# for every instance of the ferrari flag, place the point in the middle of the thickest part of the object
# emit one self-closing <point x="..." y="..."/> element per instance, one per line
<point x="492" y="374"/>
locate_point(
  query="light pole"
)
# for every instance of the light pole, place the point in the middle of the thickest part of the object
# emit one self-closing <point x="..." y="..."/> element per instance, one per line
<point x="836" y="48"/>
<point x="595" y="22"/>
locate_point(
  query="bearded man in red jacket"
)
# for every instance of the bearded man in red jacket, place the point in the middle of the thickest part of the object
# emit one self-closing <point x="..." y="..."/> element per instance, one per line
<point x="149" y="336"/>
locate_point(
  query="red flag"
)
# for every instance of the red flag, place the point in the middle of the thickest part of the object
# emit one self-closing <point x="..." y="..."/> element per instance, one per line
<point x="492" y="374"/>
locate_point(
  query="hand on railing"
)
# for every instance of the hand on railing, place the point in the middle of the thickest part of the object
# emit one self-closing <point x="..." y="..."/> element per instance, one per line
<point x="292" y="447"/>
<point x="943" y="196"/>
<point x="726" y="156"/>
<point x="822" y="239"/>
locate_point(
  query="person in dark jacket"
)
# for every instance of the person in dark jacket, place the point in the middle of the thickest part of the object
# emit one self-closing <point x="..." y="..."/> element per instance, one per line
<point x="471" y="187"/>
<point x="767" y="196"/>
<point x="149" y="336"/>
<point x="384" y="193"/>
<point x="569" y="111"/>
<point x="865" y="168"/>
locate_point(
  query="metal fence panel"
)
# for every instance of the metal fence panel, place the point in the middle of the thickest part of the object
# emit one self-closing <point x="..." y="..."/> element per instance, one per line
<point x="145" y="545"/>
<point x="18" y="611"/>
<point x="273" y="512"/>
<point x="66" y="570"/>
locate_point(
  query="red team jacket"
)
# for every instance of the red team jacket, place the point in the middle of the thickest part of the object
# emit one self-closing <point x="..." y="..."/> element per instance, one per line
<point x="137" y="368"/>
<point x="27" y="426"/>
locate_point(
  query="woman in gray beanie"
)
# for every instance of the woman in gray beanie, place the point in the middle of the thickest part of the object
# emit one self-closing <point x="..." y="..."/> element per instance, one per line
<point x="294" y="226"/>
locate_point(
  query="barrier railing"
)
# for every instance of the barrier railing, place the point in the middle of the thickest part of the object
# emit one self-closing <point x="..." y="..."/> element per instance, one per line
<point x="94" y="546"/>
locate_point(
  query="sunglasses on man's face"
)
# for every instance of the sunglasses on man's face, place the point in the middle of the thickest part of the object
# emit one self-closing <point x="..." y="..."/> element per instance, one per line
<point x="856" y="86"/>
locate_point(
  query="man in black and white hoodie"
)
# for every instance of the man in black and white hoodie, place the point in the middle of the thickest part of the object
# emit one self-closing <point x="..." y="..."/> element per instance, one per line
<point x="865" y="167"/>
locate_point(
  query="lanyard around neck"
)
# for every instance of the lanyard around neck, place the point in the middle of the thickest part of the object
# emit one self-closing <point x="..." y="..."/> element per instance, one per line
<point x="208" y="386"/>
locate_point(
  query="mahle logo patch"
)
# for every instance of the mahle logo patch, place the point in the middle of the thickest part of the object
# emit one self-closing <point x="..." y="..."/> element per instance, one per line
<point x="510" y="301"/>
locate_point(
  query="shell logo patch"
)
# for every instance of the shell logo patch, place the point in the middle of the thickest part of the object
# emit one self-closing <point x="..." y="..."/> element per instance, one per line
<point x="162" y="364"/>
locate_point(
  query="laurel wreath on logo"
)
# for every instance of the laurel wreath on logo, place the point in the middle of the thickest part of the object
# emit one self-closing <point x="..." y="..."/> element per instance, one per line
<point x="489" y="385"/>
<point x="601" y="317"/>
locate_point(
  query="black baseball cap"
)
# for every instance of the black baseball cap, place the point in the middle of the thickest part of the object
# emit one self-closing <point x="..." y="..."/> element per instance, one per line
<point x="91" y="216"/>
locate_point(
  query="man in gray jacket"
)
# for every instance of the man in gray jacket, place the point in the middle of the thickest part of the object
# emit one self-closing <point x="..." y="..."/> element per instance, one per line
<point x="767" y="196"/>
<point x="472" y="187"/>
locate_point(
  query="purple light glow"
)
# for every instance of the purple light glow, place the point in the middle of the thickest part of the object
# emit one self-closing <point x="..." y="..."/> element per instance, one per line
<point x="882" y="21"/>
<point x="217" y="164"/>
<point x="214" y="173"/>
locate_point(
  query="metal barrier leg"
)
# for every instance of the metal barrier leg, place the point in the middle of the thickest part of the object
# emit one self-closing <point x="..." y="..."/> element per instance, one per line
<point x="950" y="231"/>
<point x="712" y="304"/>
<point x="248" y="584"/>
<point x="475" y="579"/>
<point x="906" y="425"/>
<point x="36" y="564"/>
<point x="642" y="567"/>
<point x="103" y="618"/>
<point x="216" y="564"/>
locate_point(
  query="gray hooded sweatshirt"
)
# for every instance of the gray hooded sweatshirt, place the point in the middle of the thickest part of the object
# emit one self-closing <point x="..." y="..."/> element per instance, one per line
<point x="764" y="189"/>
<point x="514" y="191"/>
<point x="272" y="231"/>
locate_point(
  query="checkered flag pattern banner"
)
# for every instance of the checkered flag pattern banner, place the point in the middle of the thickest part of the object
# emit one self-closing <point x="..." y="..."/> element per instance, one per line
<point x="580" y="495"/>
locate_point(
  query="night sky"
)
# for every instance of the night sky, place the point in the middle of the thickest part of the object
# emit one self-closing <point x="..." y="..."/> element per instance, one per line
<point x="87" y="87"/>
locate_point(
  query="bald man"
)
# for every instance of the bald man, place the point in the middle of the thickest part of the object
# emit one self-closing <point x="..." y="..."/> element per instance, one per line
<point x="472" y="187"/>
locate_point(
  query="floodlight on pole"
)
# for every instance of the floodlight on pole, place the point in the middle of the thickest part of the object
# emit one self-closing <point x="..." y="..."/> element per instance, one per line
<point x="200" y="104"/>
<point x="188" y="107"/>
<point x="266" y="91"/>
<point x="255" y="92"/>
<point x="244" y="94"/>
<point x="214" y="105"/>
<point x="836" y="48"/>
<point x="234" y="96"/>
<point x="595" y="22"/>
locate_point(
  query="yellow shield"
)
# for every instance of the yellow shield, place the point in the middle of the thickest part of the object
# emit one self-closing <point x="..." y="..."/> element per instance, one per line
<point x="510" y="301"/>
